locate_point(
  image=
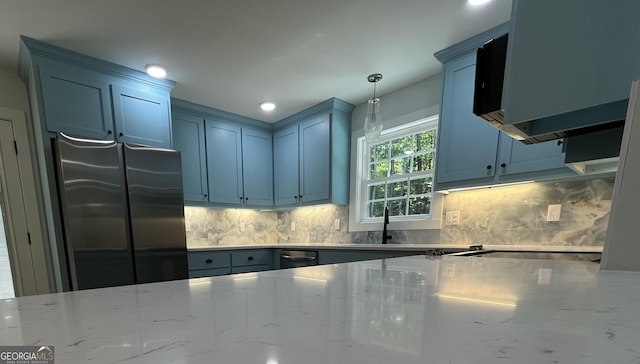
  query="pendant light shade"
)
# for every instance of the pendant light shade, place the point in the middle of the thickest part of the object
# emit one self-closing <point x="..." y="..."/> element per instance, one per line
<point x="373" y="119"/>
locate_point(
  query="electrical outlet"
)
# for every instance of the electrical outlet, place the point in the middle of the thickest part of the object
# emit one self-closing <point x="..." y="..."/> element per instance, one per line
<point x="336" y="224"/>
<point x="452" y="218"/>
<point x="448" y="270"/>
<point x="242" y="227"/>
<point x="293" y="226"/>
<point x="553" y="212"/>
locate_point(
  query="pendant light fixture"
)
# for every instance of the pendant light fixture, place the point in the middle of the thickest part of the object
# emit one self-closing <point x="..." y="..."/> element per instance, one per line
<point x="373" y="119"/>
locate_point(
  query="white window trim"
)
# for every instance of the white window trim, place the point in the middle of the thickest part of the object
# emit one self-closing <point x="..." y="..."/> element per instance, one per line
<point x="356" y="206"/>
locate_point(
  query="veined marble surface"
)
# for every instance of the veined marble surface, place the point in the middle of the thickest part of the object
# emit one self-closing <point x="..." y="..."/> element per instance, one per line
<point x="405" y="310"/>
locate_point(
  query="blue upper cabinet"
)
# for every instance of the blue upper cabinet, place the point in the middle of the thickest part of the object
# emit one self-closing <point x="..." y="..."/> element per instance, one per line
<point x="257" y="167"/>
<point x="84" y="96"/>
<point x="224" y="163"/>
<point x="189" y="139"/>
<point x="239" y="165"/>
<point x="76" y="101"/>
<point x="467" y="145"/>
<point x="141" y="116"/>
<point x="227" y="158"/>
<point x="315" y="159"/>
<point x="286" y="166"/>
<point x="471" y="152"/>
<point x="312" y="156"/>
<point x="570" y="63"/>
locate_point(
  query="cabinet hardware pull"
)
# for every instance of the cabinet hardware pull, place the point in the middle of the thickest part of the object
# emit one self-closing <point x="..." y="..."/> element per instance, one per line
<point x="560" y="142"/>
<point x="209" y="261"/>
<point x="503" y="165"/>
<point x="250" y="258"/>
<point x="488" y="167"/>
<point x="121" y="134"/>
<point x="205" y="195"/>
<point x="109" y="132"/>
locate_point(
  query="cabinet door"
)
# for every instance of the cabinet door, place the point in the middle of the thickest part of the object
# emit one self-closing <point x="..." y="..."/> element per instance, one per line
<point x="578" y="57"/>
<point x="257" y="167"/>
<point x="285" y="166"/>
<point x="142" y="117"/>
<point x="315" y="159"/>
<point x="224" y="162"/>
<point x="76" y="101"/>
<point x="520" y="158"/>
<point x="467" y="145"/>
<point x="188" y="138"/>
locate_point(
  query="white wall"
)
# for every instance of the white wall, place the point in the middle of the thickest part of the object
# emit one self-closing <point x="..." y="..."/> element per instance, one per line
<point x="13" y="92"/>
<point x="416" y="101"/>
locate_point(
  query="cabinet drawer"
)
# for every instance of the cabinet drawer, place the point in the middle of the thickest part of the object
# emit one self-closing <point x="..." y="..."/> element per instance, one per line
<point x="199" y="273"/>
<point x="251" y="257"/>
<point x="208" y="260"/>
<point x="250" y="268"/>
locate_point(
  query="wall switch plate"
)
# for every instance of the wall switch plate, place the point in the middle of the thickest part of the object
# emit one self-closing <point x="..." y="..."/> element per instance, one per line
<point x="452" y="218"/>
<point x="336" y="224"/>
<point x="553" y="212"/>
<point x="293" y="226"/>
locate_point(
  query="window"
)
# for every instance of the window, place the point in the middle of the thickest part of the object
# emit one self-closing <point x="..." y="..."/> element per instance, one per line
<point x="397" y="172"/>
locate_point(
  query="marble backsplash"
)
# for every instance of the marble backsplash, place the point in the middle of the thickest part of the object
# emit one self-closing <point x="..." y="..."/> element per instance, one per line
<point x="516" y="215"/>
<point x="206" y="226"/>
<point x="500" y="215"/>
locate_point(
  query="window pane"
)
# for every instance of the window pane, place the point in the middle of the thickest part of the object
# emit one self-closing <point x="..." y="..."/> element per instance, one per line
<point x="396" y="189"/>
<point x="423" y="162"/>
<point x="419" y="205"/>
<point x="376" y="192"/>
<point x="375" y="209"/>
<point x="400" y="145"/>
<point x="379" y="152"/>
<point x="420" y="186"/>
<point x="379" y="170"/>
<point x="399" y="166"/>
<point x="424" y="141"/>
<point x="397" y="207"/>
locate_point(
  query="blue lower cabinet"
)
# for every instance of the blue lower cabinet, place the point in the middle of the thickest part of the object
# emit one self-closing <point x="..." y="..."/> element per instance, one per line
<point x="252" y="260"/>
<point x="209" y="259"/>
<point x="251" y="268"/>
<point x="346" y="256"/>
<point x="220" y="262"/>
<point x="201" y="273"/>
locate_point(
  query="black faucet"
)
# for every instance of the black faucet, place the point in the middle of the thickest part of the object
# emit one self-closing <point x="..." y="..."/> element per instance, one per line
<point x="385" y="236"/>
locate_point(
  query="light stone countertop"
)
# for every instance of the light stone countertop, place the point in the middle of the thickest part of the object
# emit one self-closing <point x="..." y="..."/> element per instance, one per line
<point x="405" y="247"/>
<point x="456" y="310"/>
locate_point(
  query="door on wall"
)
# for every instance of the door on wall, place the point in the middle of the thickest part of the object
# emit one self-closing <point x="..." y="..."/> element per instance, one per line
<point x="23" y="267"/>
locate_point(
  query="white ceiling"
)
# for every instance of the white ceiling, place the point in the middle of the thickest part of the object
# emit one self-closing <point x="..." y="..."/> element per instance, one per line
<point x="231" y="55"/>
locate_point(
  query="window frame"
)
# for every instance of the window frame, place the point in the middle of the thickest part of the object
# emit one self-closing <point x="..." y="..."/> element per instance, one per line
<point x="357" y="221"/>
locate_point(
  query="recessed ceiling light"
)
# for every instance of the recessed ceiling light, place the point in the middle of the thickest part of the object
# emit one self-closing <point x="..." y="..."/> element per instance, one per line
<point x="267" y="106"/>
<point x="157" y="71"/>
<point x="478" y="2"/>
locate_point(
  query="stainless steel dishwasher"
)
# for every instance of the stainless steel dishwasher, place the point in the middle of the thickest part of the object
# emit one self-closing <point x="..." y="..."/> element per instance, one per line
<point x="298" y="258"/>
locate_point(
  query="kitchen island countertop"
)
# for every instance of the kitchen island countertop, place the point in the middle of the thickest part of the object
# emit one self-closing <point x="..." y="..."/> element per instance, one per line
<point x="403" y="310"/>
<point x="404" y="247"/>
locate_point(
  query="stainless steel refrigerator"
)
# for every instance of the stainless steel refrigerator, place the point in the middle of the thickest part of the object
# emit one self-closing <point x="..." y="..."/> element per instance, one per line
<point x="123" y="212"/>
